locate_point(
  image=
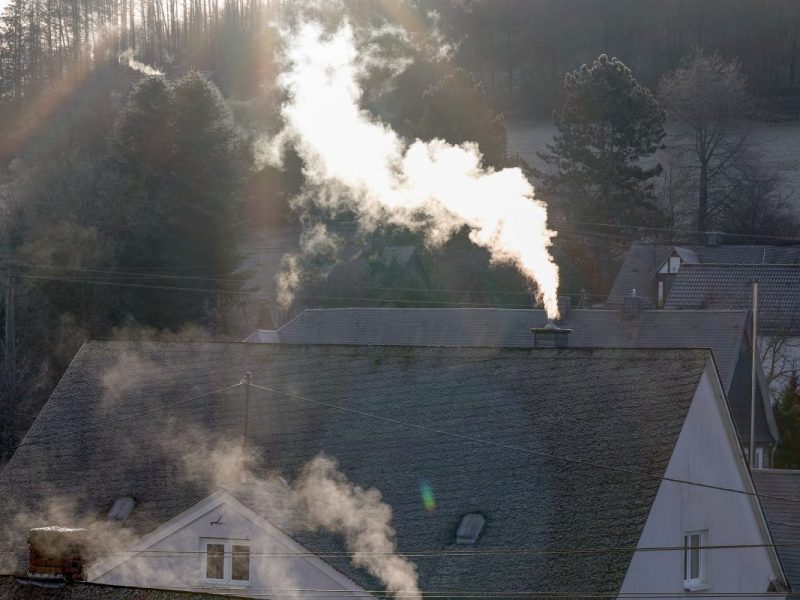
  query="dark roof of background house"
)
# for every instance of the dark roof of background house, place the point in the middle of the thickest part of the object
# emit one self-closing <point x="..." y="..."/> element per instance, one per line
<point x="644" y="258"/>
<point x="720" y="286"/>
<point x="12" y="587"/>
<point x="262" y="259"/>
<point x="725" y="332"/>
<point x="783" y="516"/>
<point x="618" y="407"/>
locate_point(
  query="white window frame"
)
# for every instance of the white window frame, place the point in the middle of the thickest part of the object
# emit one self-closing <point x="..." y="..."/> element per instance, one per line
<point x="758" y="463"/>
<point x="674" y="264"/>
<point x="694" y="584"/>
<point x="227" y="562"/>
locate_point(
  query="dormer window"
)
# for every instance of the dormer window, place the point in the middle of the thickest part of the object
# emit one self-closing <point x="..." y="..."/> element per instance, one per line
<point x="226" y="562"/>
<point x="672" y="265"/>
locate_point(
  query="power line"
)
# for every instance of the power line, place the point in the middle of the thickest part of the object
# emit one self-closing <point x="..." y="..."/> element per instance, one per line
<point x="539" y="453"/>
<point x="462" y="593"/>
<point x="441" y="553"/>
<point x="42" y="439"/>
<point x="687" y="231"/>
<point x="259" y="296"/>
<point x="241" y="280"/>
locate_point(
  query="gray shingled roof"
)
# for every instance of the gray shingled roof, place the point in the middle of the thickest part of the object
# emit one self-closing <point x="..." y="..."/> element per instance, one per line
<point x="11" y="587"/>
<point x="783" y="517"/>
<point x="643" y="259"/>
<point x="619" y="407"/>
<point x="722" y="331"/>
<point x="719" y="286"/>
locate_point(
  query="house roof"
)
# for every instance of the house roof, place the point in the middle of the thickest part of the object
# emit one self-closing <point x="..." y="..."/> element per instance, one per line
<point x="718" y="286"/>
<point x="618" y="407"/>
<point x="724" y="331"/>
<point x="18" y="589"/>
<point x="644" y="258"/>
<point x="783" y="516"/>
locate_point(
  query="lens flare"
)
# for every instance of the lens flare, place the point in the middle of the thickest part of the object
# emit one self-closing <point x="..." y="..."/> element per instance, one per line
<point x="428" y="500"/>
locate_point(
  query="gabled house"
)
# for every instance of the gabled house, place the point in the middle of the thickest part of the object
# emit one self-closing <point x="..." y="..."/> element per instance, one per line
<point x="726" y="332"/>
<point x="651" y="269"/>
<point x="536" y="470"/>
<point x="714" y="277"/>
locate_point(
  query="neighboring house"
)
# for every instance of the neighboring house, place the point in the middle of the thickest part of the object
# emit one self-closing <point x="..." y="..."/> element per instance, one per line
<point x="262" y="261"/>
<point x="727" y="333"/>
<point x="781" y="501"/>
<point x="720" y="277"/>
<point x="537" y="470"/>
<point x="355" y="275"/>
<point x="652" y="268"/>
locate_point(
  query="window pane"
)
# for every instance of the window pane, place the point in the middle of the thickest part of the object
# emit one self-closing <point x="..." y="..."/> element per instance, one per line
<point x="215" y="561"/>
<point x="694" y="554"/>
<point x="241" y="563"/>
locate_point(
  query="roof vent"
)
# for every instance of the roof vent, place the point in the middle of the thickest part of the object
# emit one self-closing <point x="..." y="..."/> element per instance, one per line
<point x="631" y="306"/>
<point x="121" y="509"/>
<point x="470" y="529"/>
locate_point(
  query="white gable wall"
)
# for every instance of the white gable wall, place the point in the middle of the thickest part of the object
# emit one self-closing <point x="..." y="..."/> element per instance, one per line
<point x="706" y="451"/>
<point x="173" y="556"/>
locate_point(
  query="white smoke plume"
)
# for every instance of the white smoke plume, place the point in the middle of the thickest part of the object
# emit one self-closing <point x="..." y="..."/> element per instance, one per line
<point x="354" y="161"/>
<point x="333" y="503"/>
<point x="126" y="58"/>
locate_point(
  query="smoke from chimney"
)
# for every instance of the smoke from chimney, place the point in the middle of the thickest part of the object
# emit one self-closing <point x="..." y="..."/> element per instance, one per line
<point x="353" y="161"/>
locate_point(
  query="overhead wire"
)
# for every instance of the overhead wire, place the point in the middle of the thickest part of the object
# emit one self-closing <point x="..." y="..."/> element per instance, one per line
<point x="444" y="553"/>
<point x="538" y="453"/>
<point x="46" y="438"/>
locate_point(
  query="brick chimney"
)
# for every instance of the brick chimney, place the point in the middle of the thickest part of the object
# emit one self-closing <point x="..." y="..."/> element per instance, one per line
<point x="57" y="553"/>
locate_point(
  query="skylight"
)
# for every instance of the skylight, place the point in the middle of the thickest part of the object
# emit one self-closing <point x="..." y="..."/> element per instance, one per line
<point x="470" y="529"/>
<point x="121" y="509"/>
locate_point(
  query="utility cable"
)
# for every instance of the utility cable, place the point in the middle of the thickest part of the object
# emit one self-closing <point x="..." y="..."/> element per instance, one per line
<point x="46" y="438"/>
<point x="538" y="453"/>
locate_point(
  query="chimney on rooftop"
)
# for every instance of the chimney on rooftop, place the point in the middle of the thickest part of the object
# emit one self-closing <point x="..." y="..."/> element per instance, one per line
<point x="57" y="553"/>
<point x="631" y="306"/>
<point x="550" y="336"/>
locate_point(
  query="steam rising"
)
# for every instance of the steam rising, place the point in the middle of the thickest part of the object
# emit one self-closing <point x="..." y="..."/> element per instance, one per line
<point x="355" y="162"/>
<point x="333" y="503"/>
<point x="127" y="58"/>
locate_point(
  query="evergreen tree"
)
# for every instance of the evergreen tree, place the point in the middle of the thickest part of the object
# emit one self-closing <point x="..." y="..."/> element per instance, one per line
<point x="456" y="110"/>
<point x="608" y="127"/>
<point x="787" y="417"/>
<point x="180" y="168"/>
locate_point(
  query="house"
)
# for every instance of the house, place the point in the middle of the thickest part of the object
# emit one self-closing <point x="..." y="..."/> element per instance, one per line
<point x="726" y="332"/>
<point x="651" y="269"/>
<point x="781" y="490"/>
<point x="717" y="277"/>
<point x="355" y="273"/>
<point x="536" y="470"/>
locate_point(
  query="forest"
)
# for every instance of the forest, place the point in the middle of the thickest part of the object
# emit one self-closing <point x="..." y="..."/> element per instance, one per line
<point x="132" y="167"/>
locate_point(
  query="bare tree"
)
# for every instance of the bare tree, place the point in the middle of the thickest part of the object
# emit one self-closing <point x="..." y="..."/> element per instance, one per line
<point x="709" y="96"/>
<point x="755" y="202"/>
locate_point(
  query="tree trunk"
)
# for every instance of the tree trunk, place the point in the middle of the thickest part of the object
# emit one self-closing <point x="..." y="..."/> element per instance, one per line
<point x="702" y="204"/>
